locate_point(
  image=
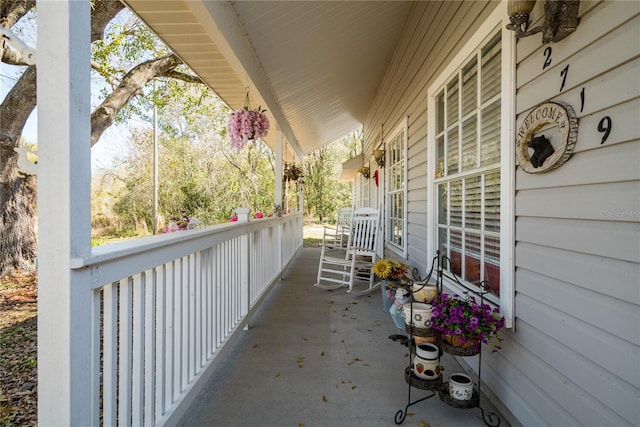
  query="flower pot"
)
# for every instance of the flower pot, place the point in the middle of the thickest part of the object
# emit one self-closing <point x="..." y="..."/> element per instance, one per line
<point x="424" y="293"/>
<point x="421" y="340"/>
<point x="460" y="386"/>
<point x="426" y="369"/>
<point x="418" y="315"/>
<point x="386" y="302"/>
<point x="456" y="341"/>
<point x="427" y="351"/>
<point x="454" y="345"/>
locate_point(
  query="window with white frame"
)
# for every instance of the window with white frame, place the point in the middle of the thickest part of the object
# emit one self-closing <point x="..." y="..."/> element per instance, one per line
<point x="396" y="187"/>
<point x="471" y="165"/>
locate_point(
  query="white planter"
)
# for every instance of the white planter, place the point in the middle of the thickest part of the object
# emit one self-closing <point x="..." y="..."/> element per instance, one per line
<point x="424" y="293"/>
<point x="418" y="315"/>
<point x="460" y="386"/>
<point x="428" y="351"/>
<point x="426" y="369"/>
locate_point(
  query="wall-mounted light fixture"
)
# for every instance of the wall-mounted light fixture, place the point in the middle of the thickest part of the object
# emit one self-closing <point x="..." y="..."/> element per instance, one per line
<point x="364" y="170"/>
<point x="378" y="155"/>
<point x="560" y="19"/>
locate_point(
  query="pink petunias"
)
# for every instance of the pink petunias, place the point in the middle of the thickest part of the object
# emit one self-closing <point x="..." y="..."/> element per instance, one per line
<point x="246" y="125"/>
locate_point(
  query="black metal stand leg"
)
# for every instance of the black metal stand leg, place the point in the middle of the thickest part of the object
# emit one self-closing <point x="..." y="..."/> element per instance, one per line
<point x="490" y="418"/>
<point x="401" y="415"/>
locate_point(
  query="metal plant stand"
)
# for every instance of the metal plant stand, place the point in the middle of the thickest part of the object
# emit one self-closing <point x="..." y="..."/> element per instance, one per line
<point x="438" y="386"/>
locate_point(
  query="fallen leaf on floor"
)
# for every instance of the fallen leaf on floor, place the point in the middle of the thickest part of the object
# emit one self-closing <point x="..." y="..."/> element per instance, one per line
<point x="354" y="303"/>
<point x="324" y="398"/>
<point x="255" y="345"/>
<point x="423" y="424"/>
<point x="299" y="365"/>
<point x="322" y="354"/>
<point x="278" y="374"/>
<point x="306" y="339"/>
<point x="353" y="387"/>
<point x="334" y="331"/>
<point x="300" y="425"/>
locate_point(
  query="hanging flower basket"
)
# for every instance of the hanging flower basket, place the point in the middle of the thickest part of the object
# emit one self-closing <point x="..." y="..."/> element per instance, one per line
<point x="246" y="125"/>
<point x="292" y="172"/>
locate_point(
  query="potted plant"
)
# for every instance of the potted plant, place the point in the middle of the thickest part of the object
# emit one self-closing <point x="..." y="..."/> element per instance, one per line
<point x="292" y="172"/>
<point x="390" y="270"/>
<point x="246" y="125"/>
<point x="463" y="322"/>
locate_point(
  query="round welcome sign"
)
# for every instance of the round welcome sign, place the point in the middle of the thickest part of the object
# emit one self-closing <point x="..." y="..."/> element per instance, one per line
<point x="538" y="153"/>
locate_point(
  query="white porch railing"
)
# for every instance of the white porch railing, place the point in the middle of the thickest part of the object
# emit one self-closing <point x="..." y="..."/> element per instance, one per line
<point x="165" y="307"/>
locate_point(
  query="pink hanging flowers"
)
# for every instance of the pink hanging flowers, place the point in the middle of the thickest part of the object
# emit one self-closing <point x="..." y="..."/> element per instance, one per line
<point x="246" y="125"/>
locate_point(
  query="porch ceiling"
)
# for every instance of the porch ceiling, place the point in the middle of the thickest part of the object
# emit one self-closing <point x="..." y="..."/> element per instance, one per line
<point x="315" y="65"/>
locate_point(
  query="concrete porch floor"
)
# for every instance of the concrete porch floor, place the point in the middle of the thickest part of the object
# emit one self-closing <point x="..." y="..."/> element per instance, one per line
<point x="320" y="358"/>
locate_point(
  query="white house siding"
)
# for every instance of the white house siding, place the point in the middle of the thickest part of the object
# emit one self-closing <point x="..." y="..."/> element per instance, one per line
<point x="576" y="354"/>
<point x="574" y="358"/>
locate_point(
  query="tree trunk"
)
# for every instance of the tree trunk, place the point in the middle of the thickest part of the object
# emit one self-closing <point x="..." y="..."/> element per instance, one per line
<point x="18" y="246"/>
<point x="17" y="193"/>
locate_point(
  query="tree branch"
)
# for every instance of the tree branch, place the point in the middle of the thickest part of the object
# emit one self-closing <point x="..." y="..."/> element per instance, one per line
<point x="11" y="11"/>
<point x="102" y="12"/>
<point x="105" y="114"/>
<point x="17" y="107"/>
<point x="189" y="78"/>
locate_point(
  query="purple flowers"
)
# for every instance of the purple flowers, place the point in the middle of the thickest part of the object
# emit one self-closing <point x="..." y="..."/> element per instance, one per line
<point x="466" y="319"/>
<point x="246" y="125"/>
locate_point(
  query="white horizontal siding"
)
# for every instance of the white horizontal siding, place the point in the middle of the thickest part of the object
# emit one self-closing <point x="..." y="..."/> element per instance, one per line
<point x="617" y="201"/>
<point x="606" y="24"/>
<point x="578" y="230"/>
<point x="572" y="390"/>
<point x="614" y="240"/>
<point x="573" y="358"/>
<point x="612" y="278"/>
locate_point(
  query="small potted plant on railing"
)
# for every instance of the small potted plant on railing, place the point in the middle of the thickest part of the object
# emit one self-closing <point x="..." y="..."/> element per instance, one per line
<point x="181" y="222"/>
<point x="464" y="323"/>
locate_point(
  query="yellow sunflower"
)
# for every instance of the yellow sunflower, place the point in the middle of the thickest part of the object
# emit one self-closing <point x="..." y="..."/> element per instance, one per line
<point x="382" y="268"/>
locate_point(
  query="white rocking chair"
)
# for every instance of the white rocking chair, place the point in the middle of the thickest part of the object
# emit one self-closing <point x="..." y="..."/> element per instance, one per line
<point x="336" y="238"/>
<point x="344" y="267"/>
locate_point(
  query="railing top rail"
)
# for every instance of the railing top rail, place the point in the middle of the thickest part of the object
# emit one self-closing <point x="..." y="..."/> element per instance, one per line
<point x="162" y="248"/>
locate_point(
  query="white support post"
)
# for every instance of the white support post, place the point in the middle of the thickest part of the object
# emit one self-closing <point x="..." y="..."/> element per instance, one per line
<point x="278" y="174"/>
<point x="67" y="390"/>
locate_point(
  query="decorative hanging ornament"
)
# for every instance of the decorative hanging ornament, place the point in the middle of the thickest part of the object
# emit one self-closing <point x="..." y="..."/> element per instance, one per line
<point x="246" y="125"/>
